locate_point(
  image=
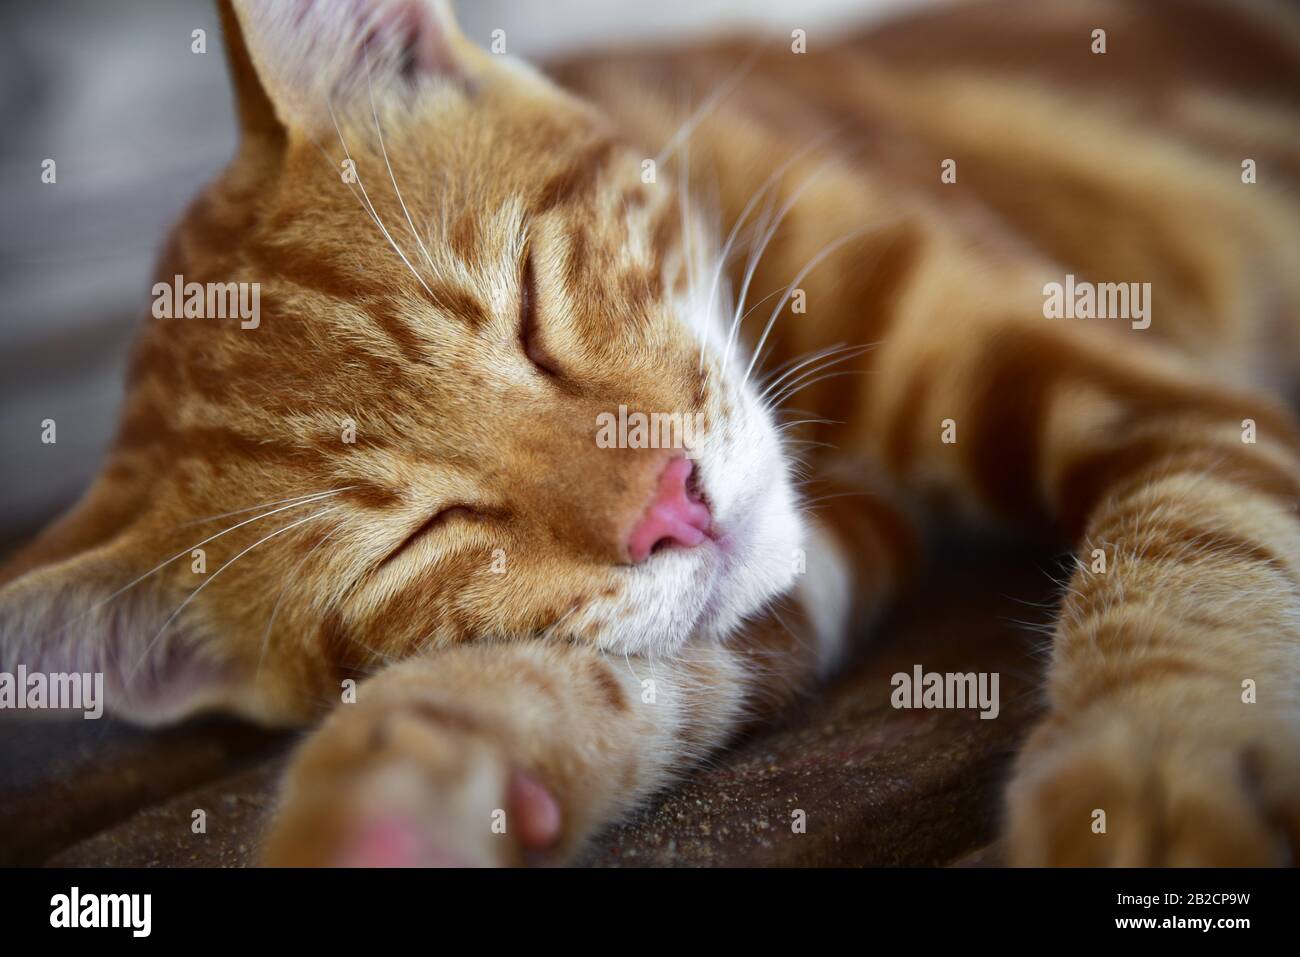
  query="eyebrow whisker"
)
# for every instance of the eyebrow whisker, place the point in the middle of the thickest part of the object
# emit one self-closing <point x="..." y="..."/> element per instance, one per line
<point x="384" y="149"/>
<point x="370" y="207"/>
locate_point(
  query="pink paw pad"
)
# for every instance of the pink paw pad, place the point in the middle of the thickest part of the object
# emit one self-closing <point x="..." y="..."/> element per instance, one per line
<point x="533" y="812"/>
<point x="393" y="840"/>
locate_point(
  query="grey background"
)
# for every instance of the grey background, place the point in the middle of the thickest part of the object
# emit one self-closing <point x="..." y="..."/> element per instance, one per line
<point x="136" y="123"/>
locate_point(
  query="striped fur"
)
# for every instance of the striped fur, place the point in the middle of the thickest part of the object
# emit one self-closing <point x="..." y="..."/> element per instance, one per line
<point x="1116" y="167"/>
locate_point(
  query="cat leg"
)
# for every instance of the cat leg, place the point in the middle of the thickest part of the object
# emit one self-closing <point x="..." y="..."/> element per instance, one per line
<point x="1173" y="726"/>
<point x="501" y="753"/>
<point x="1173" y="736"/>
<point x="496" y="754"/>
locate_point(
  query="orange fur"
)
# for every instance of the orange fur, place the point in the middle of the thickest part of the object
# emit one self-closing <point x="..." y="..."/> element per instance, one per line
<point x="1115" y="438"/>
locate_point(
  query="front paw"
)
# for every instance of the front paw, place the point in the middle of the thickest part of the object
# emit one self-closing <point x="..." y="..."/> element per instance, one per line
<point x="414" y="785"/>
<point x="1158" y="779"/>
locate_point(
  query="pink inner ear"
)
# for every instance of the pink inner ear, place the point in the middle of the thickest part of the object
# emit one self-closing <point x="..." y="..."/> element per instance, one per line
<point x="413" y="27"/>
<point x="146" y="681"/>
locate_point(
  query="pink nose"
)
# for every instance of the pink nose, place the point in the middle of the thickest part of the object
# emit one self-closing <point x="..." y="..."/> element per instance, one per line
<point x="675" y="517"/>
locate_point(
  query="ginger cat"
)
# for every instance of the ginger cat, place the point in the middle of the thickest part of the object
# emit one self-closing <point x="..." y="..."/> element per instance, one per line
<point x="463" y="265"/>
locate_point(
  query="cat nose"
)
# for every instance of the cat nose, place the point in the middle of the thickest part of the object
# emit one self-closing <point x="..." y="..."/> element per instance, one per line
<point x="676" y="516"/>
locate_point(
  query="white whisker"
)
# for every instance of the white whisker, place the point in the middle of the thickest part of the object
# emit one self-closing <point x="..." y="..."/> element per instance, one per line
<point x="821" y="378"/>
<point x="818" y="363"/>
<point x="811" y="353"/>
<point x="266" y="635"/>
<point x="242" y="511"/>
<point x="812" y="264"/>
<point x="370" y="207"/>
<point x="181" y="554"/>
<point x="384" y="149"/>
<point x="756" y="255"/>
<point x="211" y="578"/>
<point x="725" y="253"/>
<point x="721" y="92"/>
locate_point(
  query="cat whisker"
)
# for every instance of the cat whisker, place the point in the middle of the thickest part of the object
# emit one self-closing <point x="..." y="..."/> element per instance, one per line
<point x="812" y="443"/>
<point x="773" y="396"/>
<point x="632" y="671"/>
<point x="857" y="493"/>
<point x="757" y="304"/>
<point x="384" y="149"/>
<point x="319" y="496"/>
<point x="552" y="630"/>
<point x="266" y="635"/>
<point x="768" y="232"/>
<point x="710" y="102"/>
<point x="211" y="578"/>
<point x="825" y="360"/>
<point x="724" y="255"/>
<point x="757" y="242"/>
<point x="812" y="264"/>
<point x="808" y="378"/>
<point x="370" y="207"/>
<point x="245" y="510"/>
<point x="798" y="422"/>
<point x="811" y="353"/>
<point x="752" y="309"/>
<point x="822" y="378"/>
<point x="797" y="640"/>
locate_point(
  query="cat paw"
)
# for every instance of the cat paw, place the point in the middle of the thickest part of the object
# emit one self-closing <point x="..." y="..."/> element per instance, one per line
<point x="409" y="787"/>
<point x="1158" y="783"/>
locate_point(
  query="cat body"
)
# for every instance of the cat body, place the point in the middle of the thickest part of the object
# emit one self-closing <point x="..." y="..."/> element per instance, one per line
<point x="465" y="268"/>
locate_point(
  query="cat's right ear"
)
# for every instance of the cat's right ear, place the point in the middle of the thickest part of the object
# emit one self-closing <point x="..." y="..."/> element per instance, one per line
<point x="293" y="62"/>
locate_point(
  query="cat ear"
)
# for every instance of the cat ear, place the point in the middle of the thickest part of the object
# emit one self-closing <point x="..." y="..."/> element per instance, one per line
<point x="293" y="61"/>
<point x="72" y="616"/>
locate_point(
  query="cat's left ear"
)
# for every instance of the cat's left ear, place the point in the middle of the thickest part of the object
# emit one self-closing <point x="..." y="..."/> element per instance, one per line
<point x="294" y="61"/>
<point x="72" y="616"/>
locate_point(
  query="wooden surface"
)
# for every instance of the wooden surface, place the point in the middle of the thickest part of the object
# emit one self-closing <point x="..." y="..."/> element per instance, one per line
<point x="878" y="786"/>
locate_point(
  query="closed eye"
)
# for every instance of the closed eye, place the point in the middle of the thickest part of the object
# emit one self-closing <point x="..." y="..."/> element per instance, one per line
<point x="445" y="516"/>
<point x="529" y="332"/>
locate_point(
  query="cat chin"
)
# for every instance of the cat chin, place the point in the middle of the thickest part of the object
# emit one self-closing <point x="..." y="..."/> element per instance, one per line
<point x="706" y="593"/>
<point x="759" y="562"/>
<point x="759" y="551"/>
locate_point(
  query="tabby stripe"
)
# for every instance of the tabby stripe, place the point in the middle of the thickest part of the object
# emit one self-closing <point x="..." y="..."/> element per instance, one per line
<point x="1119" y="473"/>
<point x="578" y="181"/>
<point x="1161" y="41"/>
<point x="1114" y="674"/>
<point x="1173" y="542"/>
<point x="907" y="421"/>
<point x="311" y="270"/>
<point x="891" y="262"/>
<point x="1018" y="381"/>
<point x="387" y="314"/>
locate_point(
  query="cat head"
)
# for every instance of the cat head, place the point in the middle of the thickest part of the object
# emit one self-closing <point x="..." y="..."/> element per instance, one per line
<point x="474" y="381"/>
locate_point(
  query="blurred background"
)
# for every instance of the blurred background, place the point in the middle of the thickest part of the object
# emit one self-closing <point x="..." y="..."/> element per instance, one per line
<point x="136" y="123"/>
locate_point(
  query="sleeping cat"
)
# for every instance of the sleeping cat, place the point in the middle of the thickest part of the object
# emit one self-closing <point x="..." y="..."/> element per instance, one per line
<point x="465" y="267"/>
